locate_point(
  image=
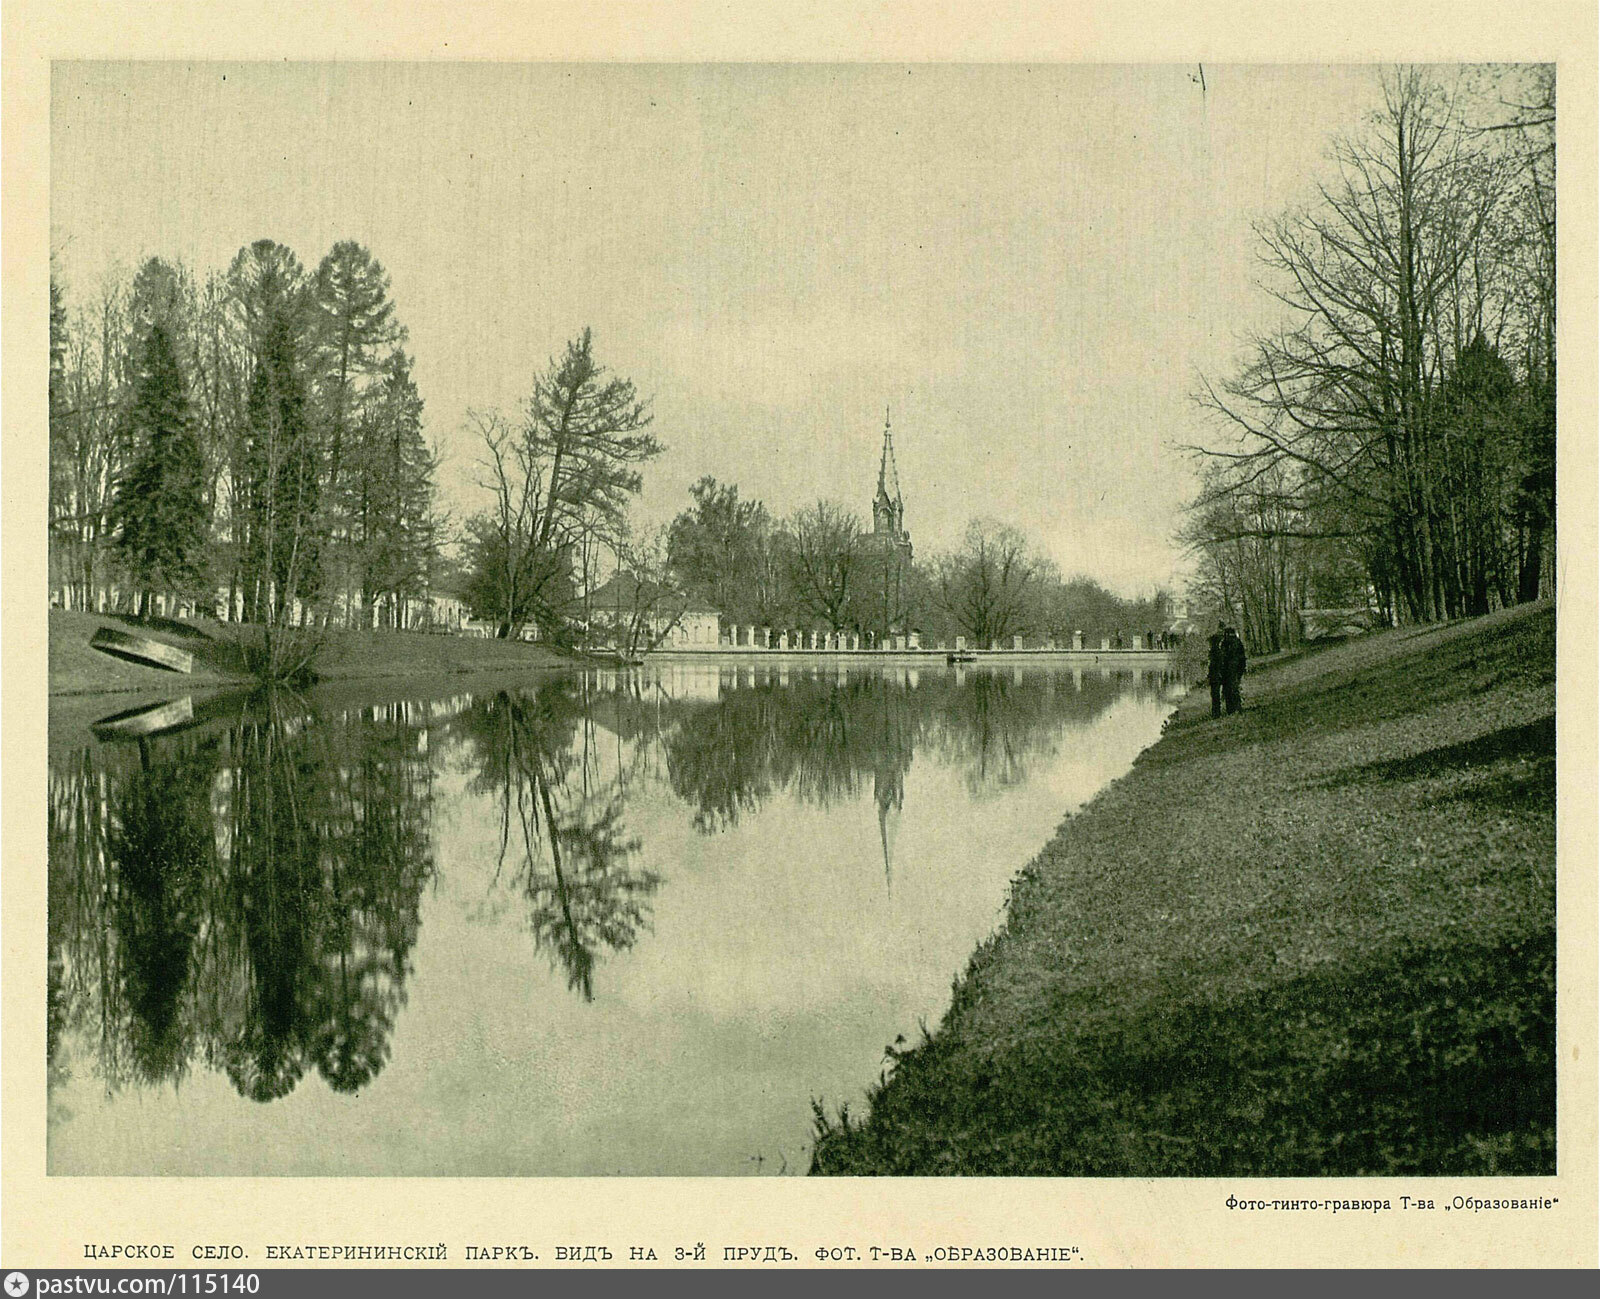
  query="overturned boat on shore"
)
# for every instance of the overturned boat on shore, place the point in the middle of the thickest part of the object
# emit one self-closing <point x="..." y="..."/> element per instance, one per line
<point x="142" y="650"/>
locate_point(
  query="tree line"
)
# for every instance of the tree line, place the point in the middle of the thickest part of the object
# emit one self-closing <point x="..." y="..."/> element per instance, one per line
<point x="561" y="471"/>
<point x="822" y="567"/>
<point x="1390" y="443"/>
<point x="253" y="444"/>
<point x="251" y="440"/>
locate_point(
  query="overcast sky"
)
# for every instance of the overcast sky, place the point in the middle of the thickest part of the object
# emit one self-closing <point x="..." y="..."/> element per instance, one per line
<point x="1028" y="265"/>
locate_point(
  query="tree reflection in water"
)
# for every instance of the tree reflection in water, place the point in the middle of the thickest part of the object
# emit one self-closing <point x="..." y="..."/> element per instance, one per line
<point x="564" y="846"/>
<point x="245" y="893"/>
<point x="160" y="848"/>
<point x="820" y="736"/>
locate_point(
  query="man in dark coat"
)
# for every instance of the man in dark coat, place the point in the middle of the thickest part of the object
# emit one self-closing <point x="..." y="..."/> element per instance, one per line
<point x="1214" y="672"/>
<point x="1233" y="663"/>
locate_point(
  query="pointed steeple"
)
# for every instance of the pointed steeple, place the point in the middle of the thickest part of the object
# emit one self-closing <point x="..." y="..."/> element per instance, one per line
<point x="888" y="474"/>
<point x="888" y="509"/>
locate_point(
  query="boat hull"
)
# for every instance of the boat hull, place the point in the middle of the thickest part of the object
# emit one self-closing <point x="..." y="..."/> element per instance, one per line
<point x="142" y="650"/>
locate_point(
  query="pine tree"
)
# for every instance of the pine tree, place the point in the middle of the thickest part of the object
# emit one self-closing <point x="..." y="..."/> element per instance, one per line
<point x="587" y="431"/>
<point x="159" y="515"/>
<point x="398" y="468"/>
<point x="263" y="291"/>
<point x="282" y="482"/>
<point x="351" y="319"/>
<point x="560" y="481"/>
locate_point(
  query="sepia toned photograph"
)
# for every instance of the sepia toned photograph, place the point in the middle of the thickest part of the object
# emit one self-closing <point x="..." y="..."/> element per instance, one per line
<point x="763" y="620"/>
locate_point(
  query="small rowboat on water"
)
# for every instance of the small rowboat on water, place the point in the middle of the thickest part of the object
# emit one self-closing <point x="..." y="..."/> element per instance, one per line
<point x="142" y="650"/>
<point x="148" y="719"/>
<point x="961" y="656"/>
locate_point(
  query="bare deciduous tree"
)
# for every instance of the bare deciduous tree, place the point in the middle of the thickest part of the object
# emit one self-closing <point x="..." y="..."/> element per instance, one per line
<point x="1348" y="422"/>
<point x="826" y="559"/>
<point x="985" y="585"/>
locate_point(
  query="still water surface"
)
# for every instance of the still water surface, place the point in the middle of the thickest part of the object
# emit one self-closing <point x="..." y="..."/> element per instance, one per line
<point x="597" y="923"/>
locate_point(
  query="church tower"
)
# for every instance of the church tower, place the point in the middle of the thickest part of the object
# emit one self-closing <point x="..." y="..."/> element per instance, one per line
<point x="891" y="544"/>
<point x="888" y="508"/>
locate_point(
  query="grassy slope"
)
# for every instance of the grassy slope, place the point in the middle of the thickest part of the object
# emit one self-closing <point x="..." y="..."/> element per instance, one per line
<point x="346" y="655"/>
<point x="357" y="655"/>
<point x="1315" y="938"/>
<point x="77" y="669"/>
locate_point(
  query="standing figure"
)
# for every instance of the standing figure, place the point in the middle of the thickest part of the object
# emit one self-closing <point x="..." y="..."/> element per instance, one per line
<point x="1214" y="672"/>
<point x="1233" y="664"/>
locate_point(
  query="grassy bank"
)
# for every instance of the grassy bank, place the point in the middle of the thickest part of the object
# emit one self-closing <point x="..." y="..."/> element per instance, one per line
<point x="220" y="660"/>
<point x="1316" y="938"/>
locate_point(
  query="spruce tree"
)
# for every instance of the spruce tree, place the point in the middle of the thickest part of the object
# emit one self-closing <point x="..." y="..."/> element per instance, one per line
<point x="399" y="467"/>
<point x="159" y="513"/>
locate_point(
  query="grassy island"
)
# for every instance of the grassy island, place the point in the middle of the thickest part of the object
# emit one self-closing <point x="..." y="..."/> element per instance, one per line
<point x="1315" y="938"/>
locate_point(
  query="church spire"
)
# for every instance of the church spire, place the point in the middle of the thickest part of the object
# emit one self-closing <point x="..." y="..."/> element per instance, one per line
<point x="888" y="474"/>
<point x="892" y="543"/>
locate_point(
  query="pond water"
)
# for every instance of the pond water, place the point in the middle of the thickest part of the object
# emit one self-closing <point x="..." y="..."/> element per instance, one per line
<point x="603" y="923"/>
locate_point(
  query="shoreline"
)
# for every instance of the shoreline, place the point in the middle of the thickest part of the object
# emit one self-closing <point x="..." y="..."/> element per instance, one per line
<point x="1317" y="938"/>
<point x="73" y="717"/>
<point x="76" y="671"/>
<point x="745" y="655"/>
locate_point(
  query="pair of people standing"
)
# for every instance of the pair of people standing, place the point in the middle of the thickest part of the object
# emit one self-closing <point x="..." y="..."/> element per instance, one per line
<point x="1225" y="669"/>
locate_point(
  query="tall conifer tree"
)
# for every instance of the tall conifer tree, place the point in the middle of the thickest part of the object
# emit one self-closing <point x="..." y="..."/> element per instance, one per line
<point x="159" y="514"/>
<point x="282" y="475"/>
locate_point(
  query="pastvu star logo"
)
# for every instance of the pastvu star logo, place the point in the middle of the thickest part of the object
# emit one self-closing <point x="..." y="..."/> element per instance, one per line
<point x="16" y="1284"/>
